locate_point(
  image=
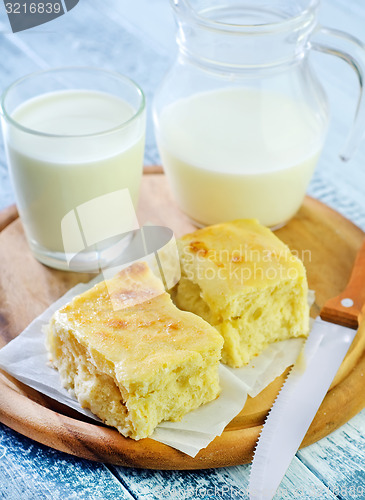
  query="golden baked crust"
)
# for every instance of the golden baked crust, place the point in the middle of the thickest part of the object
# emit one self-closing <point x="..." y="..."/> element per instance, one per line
<point x="131" y="356"/>
<point x="244" y="281"/>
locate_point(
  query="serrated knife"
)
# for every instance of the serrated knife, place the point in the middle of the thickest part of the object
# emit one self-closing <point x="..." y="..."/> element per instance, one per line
<point x="306" y="385"/>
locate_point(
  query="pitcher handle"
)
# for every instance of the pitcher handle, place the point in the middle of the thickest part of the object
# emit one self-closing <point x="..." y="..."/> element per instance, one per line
<point x="351" y="50"/>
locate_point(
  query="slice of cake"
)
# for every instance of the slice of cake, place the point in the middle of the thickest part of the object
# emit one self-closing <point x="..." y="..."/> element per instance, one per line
<point x="130" y="356"/>
<point x="245" y="282"/>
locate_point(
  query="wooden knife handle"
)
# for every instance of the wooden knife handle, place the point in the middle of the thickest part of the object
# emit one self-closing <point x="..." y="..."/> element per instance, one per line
<point x="348" y="308"/>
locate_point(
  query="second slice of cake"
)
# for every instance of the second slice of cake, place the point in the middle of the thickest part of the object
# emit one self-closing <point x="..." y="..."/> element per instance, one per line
<point x="245" y="282"/>
<point x="130" y="356"/>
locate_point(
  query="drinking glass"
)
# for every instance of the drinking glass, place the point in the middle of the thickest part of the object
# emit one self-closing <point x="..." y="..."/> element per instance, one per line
<point x="74" y="141"/>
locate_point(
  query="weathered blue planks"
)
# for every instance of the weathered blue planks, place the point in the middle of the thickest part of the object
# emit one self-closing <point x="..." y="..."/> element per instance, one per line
<point x="32" y="471"/>
<point x="226" y="483"/>
<point x="339" y="459"/>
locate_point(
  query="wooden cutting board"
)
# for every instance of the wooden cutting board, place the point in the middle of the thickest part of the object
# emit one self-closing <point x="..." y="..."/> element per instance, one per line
<point x="328" y="244"/>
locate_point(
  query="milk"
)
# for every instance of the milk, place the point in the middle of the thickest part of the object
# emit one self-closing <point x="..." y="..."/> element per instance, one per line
<point x="237" y="153"/>
<point x="53" y="175"/>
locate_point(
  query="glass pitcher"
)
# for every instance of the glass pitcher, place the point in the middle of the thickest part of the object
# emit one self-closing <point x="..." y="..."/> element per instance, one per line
<point x="240" y="119"/>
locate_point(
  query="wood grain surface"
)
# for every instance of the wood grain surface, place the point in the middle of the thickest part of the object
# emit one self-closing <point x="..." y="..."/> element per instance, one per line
<point x="327" y="243"/>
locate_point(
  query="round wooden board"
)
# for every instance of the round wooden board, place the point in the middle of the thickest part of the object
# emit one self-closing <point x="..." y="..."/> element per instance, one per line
<point x="328" y="244"/>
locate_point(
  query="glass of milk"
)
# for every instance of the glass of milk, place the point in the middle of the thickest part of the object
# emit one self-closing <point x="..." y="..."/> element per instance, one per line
<point x="240" y="119"/>
<point x="74" y="140"/>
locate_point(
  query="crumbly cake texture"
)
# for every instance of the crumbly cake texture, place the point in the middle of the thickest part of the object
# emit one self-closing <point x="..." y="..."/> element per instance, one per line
<point x="245" y="282"/>
<point x="130" y="356"/>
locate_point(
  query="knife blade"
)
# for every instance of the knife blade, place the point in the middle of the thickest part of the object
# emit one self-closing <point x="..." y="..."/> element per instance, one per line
<point x="306" y="385"/>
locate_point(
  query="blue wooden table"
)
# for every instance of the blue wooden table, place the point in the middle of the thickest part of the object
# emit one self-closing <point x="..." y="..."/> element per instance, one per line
<point x="137" y="38"/>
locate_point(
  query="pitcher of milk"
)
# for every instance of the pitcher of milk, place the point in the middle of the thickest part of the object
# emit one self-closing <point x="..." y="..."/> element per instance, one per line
<point x="241" y="118"/>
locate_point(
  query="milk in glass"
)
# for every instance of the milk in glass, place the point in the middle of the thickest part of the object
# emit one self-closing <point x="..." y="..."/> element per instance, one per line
<point x="61" y="165"/>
